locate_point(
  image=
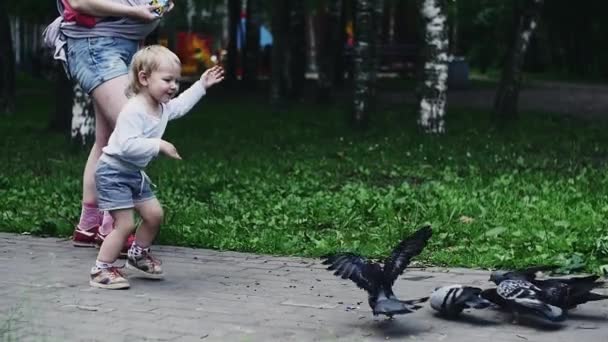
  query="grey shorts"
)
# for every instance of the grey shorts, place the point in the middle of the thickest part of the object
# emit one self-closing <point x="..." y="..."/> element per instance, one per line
<point x="93" y="61"/>
<point x="120" y="188"/>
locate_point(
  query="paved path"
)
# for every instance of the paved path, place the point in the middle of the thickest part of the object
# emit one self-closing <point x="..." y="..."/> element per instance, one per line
<point x="586" y="101"/>
<point x="224" y="296"/>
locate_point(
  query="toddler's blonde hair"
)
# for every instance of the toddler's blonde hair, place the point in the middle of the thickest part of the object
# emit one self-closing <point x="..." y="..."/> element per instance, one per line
<point x="148" y="60"/>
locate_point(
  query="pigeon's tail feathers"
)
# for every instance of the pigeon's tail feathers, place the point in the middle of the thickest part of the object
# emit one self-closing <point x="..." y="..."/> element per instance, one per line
<point x="402" y="254"/>
<point x="477" y="303"/>
<point x="595" y="297"/>
<point x="413" y="303"/>
<point x="580" y="288"/>
<point x="552" y="313"/>
<point x="587" y="282"/>
<point x="392" y="307"/>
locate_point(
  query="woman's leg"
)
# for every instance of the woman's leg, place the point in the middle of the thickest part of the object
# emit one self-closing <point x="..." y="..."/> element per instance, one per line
<point x="108" y="100"/>
<point x="139" y="258"/>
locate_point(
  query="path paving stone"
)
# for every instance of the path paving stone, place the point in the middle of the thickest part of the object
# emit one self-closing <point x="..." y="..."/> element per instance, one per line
<point x="227" y="296"/>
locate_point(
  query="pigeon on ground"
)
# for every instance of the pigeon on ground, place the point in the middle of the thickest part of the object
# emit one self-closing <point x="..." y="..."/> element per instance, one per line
<point x="378" y="280"/>
<point x="521" y="296"/>
<point x="451" y="300"/>
<point x="528" y="274"/>
<point x="566" y="293"/>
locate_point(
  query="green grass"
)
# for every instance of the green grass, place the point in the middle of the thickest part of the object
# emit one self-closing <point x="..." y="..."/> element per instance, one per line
<point x="303" y="183"/>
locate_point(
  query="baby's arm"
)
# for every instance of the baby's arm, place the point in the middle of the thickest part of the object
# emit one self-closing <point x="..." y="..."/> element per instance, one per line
<point x="183" y="103"/>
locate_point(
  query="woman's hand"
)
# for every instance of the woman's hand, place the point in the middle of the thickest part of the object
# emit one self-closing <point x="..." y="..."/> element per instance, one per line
<point x="212" y="76"/>
<point x="171" y="5"/>
<point x="144" y="12"/>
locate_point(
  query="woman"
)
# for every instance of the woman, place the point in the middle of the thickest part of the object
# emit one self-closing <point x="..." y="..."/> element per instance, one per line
<point x="98" y="58"/>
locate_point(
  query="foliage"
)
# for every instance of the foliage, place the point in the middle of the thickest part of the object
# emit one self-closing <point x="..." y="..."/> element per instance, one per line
<point x="303" y="183"/>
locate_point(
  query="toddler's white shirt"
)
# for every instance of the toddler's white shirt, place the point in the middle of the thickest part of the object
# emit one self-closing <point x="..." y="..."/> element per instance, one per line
<point x="137" y="135"/>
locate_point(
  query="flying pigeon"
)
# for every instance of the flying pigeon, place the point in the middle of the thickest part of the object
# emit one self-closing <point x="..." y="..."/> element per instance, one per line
<point x="566" y="293"/>
<point x="521" y="296"/>
<point x="451" y="300"/>
<point x="378" y="280"/>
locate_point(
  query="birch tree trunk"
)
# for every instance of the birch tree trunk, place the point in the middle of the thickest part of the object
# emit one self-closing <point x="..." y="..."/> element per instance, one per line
<point x="7" y="64"/>
<point x="375" y="43"/>
<point x="507" y="95"/>
<point x="363" y="63"/>
<point x="83" y="117"/>
<point x="433" y="90"/>
<point x="340" y="66"/>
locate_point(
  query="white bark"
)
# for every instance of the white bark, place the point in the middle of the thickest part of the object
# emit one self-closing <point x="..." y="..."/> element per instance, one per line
<point x="433" y="99"/>
<point x="190" y="13"/>
<point x="83" y="117"/>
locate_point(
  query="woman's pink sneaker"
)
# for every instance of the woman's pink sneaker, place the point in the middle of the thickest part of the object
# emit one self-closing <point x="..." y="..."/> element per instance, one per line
<point x="99" y="238"/>
<point x="85" y="238"/>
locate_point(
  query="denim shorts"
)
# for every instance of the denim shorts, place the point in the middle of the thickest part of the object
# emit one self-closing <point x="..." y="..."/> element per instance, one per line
<point x="119" y="187"/>
<point x="93" y="61"/>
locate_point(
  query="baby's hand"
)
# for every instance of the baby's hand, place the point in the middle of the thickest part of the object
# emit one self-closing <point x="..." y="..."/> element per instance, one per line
<point x="212" y="76"/>
<point x="169" y="150"/>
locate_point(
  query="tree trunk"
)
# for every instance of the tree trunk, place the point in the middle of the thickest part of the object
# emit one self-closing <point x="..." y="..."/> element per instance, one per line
<point x="280" y="16"/>
<point x="297" y="49"/>
<point x="234" y="17"/>
<point x="83" y="118"/>
<point x="433" y="90"/>
<point x="363" y="64"/>
<point x="7" y="64"/>
<point x="64" y="96"/>
<point x="526" y="19"/>
<point x="251" y="51"/>
<point x="376" y="42"/>
<point x="339" y="58"/>
<point x="330" y="36"/>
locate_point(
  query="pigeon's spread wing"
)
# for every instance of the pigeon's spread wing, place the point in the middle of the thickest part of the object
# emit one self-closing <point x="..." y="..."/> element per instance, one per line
<point x="408" y="248"/>
<point x="356" y="268"/>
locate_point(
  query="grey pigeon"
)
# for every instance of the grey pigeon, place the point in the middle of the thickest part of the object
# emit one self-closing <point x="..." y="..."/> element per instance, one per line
<point x="378" y="280"/>
<point x="566" y="293"/>
<point x="528" y="274"/>
<point x="521" y="296"/>
<point x="451" y="300"/>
